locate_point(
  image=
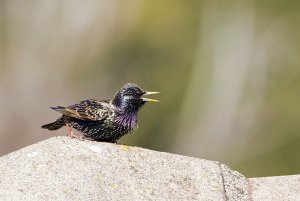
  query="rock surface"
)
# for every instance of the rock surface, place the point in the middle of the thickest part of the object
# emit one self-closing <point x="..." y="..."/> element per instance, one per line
<point x="65" y="169"/>
<point x="275" y="188"/>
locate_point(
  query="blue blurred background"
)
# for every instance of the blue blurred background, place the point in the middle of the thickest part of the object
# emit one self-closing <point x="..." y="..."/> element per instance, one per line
<point x="229" y="73"/>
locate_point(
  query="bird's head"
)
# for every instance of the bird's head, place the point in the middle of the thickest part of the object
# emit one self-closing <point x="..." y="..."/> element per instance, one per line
<point x="129" y="98"/>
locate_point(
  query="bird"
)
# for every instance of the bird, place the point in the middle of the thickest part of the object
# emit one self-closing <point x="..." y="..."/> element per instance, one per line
<point x="103" y="120"/>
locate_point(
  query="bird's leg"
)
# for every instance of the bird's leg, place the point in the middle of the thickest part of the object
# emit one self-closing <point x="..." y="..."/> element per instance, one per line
<point x="71" y="133"/>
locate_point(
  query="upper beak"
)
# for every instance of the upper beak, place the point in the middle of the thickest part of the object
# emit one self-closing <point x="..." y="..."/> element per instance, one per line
<point x="148" y="99"/>
<point x="150" y="92"/>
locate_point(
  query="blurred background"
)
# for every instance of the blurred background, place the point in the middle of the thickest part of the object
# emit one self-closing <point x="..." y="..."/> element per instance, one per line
<point x="229" y="73"/>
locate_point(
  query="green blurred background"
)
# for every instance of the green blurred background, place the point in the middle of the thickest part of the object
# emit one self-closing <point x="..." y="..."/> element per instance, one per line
<point x="229" y="73"/>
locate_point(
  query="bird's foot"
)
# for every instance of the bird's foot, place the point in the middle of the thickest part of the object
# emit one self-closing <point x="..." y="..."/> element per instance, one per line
<point x="78" y="137"/>
<point x="72" y="134"/>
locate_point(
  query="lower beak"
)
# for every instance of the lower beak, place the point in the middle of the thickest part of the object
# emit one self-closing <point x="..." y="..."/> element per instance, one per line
<point x="148" y="99"/>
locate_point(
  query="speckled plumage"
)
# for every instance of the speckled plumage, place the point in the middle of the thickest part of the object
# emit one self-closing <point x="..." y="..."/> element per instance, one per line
<point x="104" y="120"/>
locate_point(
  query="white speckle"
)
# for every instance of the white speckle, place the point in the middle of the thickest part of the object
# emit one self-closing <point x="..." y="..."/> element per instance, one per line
<point x="95" y="149"/>
<point x="41" y="165"/>
<point x="32" y="154"/>
<point x="69" y="146"/>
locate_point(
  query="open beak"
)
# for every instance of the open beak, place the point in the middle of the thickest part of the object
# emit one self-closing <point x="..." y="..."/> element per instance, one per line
<point x="148" y="99"/>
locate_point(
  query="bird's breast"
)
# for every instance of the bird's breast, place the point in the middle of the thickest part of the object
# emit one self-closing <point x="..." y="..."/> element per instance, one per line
<point x="127" y="121"/>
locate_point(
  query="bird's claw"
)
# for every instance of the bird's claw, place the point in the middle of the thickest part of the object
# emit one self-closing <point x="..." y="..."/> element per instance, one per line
<point x="78" y="137"/>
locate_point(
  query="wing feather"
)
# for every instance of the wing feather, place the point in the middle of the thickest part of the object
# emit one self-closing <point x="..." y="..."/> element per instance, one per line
<point x="93" y="110"/>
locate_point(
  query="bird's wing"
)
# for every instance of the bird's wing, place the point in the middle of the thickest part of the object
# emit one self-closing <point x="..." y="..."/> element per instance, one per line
<point x="93" y="110"/>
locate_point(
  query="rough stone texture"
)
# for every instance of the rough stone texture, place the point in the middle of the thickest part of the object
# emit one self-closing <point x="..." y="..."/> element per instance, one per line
<point x="64" y="169"/>
<point x="235" y="184"/>
<point x="280" y="188"/>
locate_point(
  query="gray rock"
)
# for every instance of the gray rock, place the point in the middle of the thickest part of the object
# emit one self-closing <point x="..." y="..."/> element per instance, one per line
<point x="235" y="184"/>
<point x="64" y="169"/>
<point x="280" y="188"/>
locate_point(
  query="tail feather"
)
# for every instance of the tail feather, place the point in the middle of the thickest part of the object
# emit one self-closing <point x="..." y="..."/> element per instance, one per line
<point x="55" y="125"/>
<point x="58" y="109"/>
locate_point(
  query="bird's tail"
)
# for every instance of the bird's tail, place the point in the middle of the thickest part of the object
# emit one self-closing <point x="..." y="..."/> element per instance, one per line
<point x="60" y="122"/>
<point x="59" y="109"/>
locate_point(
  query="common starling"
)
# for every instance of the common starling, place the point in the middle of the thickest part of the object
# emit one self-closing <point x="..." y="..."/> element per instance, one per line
<point x="103" y="120"/>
